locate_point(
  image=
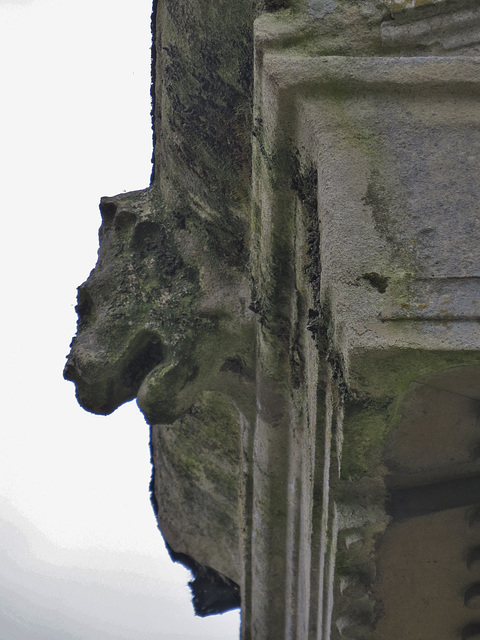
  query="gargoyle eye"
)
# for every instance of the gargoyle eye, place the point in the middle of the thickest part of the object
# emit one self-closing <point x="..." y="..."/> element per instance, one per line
<point x="148" y="238"/>
<point x="124" y="220"/>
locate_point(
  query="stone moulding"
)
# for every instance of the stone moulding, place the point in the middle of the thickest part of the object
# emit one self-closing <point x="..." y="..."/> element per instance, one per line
<point x="444" y="30"/>
<point x="384" y="138"/>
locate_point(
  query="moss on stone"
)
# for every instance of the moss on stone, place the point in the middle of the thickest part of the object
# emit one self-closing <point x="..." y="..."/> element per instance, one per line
<point x="203" y="447"/>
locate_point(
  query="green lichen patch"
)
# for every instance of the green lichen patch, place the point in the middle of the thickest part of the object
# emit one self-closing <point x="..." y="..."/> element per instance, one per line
<point x="203" y="450"/>
<point x="365" y="429"/>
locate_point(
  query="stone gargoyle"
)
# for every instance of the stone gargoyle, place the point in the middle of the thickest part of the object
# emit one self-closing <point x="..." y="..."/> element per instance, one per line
<point x="164" y="316"/>
<point x="164" y="320"/>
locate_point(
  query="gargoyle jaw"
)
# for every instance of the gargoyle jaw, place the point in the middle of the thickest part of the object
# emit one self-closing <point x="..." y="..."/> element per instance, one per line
<point x="103" y="385"/>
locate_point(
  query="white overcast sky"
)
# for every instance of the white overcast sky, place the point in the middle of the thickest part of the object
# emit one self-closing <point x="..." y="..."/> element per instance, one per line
<point x="80" y="555"/>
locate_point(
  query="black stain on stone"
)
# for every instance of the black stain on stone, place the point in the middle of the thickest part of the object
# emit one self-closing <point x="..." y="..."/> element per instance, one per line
<point x="471" y="631"/>
<point x="212" y="592"/>
<point x="234" y="365"/>
<point x="378" y="282"/>
<point x="146" y="354"/>
<point x="108" y="209"/>
<point x="426" y="499"/>
<point x="84" y="307"/>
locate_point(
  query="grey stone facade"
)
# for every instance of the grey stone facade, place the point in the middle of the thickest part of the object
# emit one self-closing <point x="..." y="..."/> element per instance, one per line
<point x="294" y="302"/>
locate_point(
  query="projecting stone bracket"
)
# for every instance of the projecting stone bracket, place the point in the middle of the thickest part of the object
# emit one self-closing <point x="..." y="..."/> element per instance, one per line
<point x="162" y="319"/>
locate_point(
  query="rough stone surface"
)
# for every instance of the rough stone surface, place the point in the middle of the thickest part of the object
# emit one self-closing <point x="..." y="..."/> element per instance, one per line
<point x="294" y="302"/>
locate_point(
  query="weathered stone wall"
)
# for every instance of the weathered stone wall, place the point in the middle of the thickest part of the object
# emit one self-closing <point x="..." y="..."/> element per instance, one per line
<point x="294" y="304"/>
